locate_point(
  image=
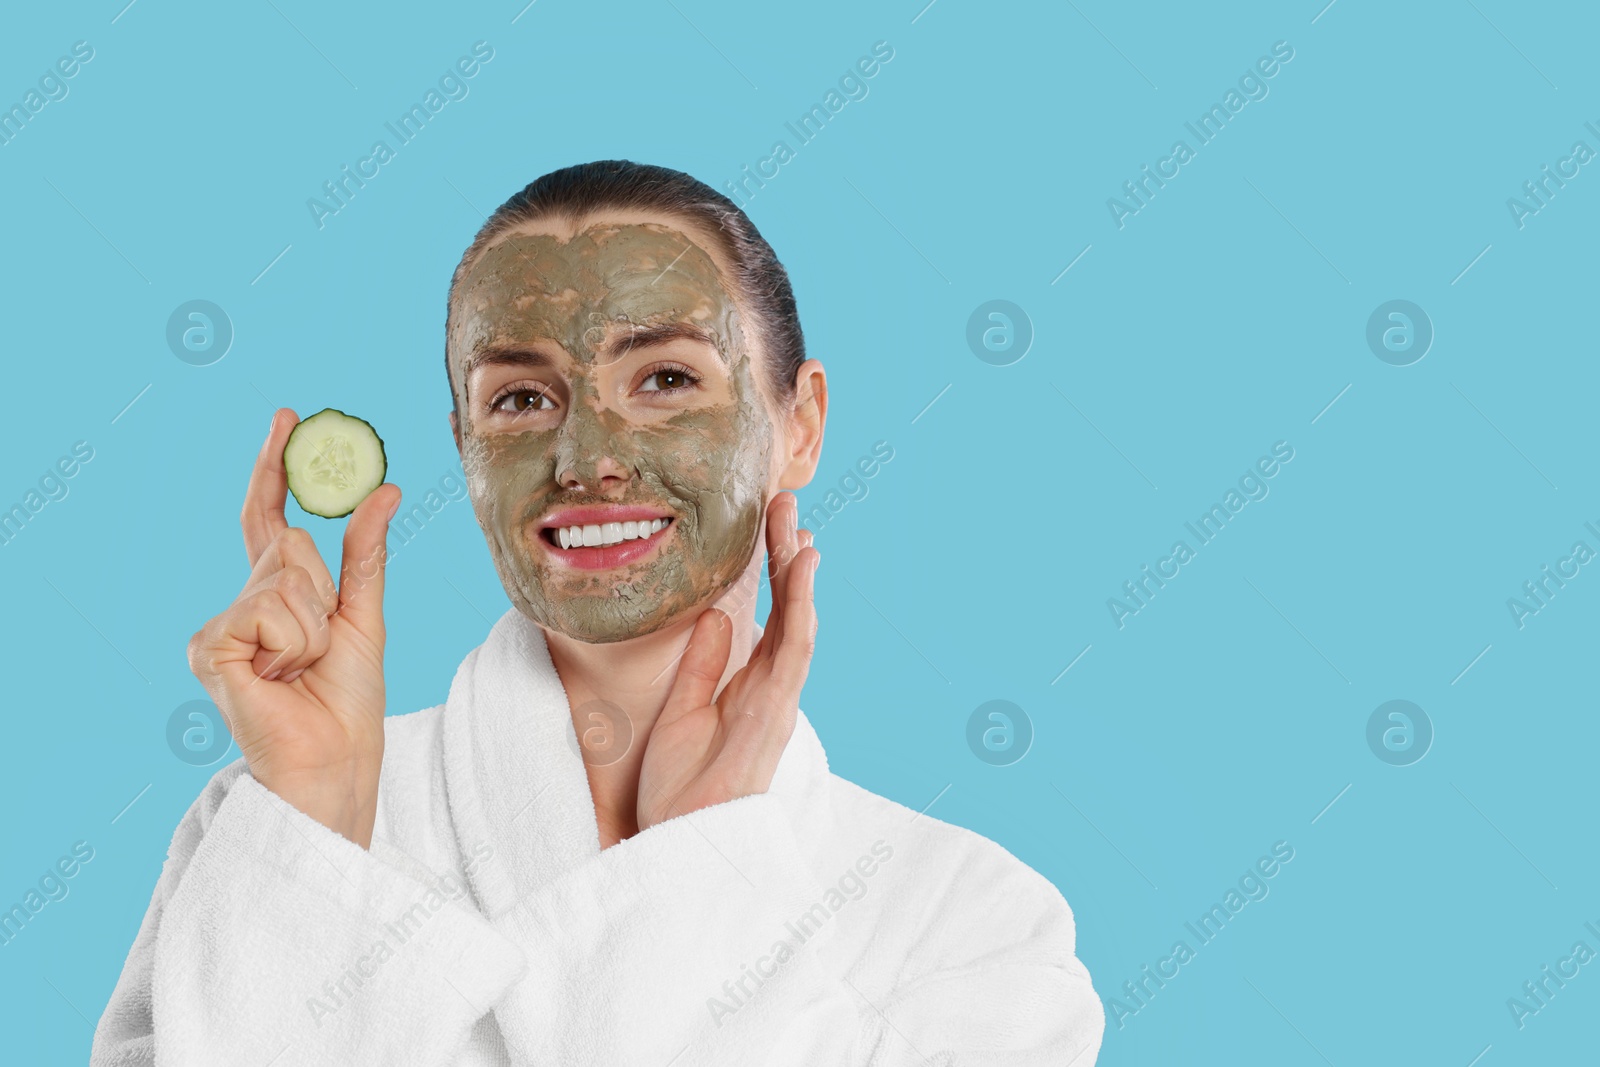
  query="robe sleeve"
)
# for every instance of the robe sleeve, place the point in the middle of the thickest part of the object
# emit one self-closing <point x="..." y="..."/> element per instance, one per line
<point x="708" y="937"/>
<point x="271" y="938"/>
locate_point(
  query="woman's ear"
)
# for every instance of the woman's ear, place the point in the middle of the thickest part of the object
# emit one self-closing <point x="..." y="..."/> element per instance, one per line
<point x="804" y="424"/>
<point x="455" y="431"/>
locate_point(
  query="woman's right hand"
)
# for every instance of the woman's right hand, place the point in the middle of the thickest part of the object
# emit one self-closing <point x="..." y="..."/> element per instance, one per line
<point x="295" y="665"/>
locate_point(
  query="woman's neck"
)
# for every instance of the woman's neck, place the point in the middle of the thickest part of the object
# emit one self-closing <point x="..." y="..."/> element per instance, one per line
<point x="633" y="678"/>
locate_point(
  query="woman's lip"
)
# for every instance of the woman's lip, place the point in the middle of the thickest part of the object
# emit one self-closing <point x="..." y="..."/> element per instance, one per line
<point x="603" y="557"/>
<point x="600" y="514"/>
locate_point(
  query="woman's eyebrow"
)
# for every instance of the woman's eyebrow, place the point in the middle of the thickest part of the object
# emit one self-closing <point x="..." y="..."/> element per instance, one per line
<point x="620" y="345"/>
<point x="509" y="356"/>
<point x="658" y="334"/>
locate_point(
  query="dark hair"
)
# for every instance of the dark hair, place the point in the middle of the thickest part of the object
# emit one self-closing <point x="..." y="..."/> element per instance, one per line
<point x="760" y="283"/>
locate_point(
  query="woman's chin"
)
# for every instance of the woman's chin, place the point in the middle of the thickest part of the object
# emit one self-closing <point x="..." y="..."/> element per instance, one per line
<point x="604" y="620"/>
<point x="599" y="620"/>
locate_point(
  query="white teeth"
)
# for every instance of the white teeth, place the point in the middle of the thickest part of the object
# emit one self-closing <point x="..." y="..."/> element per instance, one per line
<point x="609" y="533"/>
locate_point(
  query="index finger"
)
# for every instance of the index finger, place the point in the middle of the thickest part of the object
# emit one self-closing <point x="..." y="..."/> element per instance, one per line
<point x="783" y="533"/>
<point x="792" y="660"/>
<point x="783" y="545"/>
<point x="262" y="517"/>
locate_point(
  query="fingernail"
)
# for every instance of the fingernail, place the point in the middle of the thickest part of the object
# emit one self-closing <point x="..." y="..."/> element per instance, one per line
<point x="292" y="675"/>
<point x="392" y="509"/>
<point x="270" y="676"/>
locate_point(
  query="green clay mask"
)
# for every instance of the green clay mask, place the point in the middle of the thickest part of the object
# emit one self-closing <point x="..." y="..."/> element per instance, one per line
<point x="704" y="457"/>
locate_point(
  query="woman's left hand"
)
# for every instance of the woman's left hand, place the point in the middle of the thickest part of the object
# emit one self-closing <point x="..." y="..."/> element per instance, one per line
<point x="710" y="747"/>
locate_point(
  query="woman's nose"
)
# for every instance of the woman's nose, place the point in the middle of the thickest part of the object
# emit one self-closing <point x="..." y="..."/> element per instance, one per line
<point x="603" y="474"/>
<point x="593" y="452"/>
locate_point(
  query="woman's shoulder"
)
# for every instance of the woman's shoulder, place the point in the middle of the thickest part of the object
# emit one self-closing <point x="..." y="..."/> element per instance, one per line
<point x="412" y="735"/>
<point x="937" y="899"/>
<point x="940" y="860"/>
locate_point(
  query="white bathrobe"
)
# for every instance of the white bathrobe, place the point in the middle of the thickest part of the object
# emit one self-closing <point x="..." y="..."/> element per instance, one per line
<point x="815" y="924"/>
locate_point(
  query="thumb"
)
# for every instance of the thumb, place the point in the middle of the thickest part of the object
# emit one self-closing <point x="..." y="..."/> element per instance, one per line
<point x="703" y="662"/>
<point x="361" y="570"/>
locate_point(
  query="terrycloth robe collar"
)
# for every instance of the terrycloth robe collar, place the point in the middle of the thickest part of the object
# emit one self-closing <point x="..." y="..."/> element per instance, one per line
<point x="514" y="777"/>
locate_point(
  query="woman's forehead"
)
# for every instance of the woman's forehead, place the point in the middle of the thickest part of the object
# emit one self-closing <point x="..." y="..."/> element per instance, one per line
<point x="619" y="265"/>
<point x="612" y="242"/>
<point x="563" y="279"/>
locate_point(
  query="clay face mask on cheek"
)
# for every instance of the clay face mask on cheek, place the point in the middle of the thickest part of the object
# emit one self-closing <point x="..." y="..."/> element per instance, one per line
<point x="706" y="465"/>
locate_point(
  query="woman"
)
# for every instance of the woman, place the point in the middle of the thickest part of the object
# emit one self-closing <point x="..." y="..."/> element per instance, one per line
<point x="618" y="840"/>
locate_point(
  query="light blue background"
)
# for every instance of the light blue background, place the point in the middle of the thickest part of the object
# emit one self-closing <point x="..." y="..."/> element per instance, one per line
<point x="1224" y="317"/>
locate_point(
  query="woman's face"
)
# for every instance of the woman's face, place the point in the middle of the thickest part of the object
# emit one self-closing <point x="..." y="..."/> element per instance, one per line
<point x="606" y="376"/>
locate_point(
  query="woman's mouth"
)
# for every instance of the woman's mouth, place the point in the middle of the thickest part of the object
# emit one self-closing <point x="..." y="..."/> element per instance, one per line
<point x="604" y="534"/>
<point x="603" y="545"/>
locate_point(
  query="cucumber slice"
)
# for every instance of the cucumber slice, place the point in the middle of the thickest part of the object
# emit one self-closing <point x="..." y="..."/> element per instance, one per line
<point x="333" y="461"/>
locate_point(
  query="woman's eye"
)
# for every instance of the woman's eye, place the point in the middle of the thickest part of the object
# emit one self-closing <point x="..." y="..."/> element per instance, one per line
<point x="519" y="400"/>
<point x="667" y="380"/>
